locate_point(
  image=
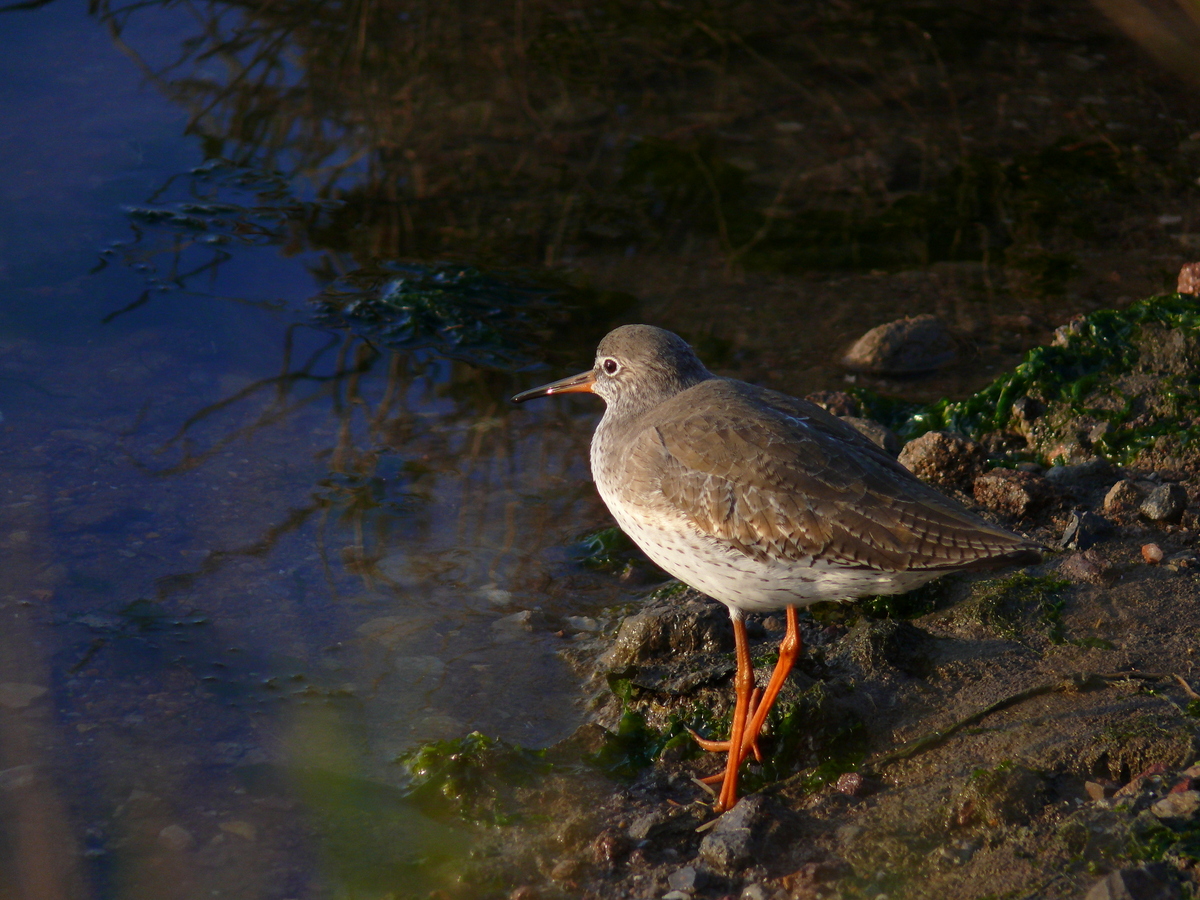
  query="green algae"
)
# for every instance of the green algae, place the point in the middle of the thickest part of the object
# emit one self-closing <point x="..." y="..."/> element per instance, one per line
<point x="1003" y="603"/>
<point x="471" y="777"/>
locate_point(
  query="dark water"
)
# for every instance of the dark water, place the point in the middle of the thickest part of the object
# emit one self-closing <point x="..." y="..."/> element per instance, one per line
<point x="244" y="538"/>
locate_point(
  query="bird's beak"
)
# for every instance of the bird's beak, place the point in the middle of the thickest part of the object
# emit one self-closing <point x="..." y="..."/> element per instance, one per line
<point x="576" y="384"/>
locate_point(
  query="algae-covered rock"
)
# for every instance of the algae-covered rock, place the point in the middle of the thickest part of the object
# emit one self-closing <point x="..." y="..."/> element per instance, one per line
<point x="1117" y="384"/>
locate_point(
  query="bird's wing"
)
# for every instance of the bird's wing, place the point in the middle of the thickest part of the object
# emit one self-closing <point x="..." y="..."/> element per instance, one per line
<point x="773" y="476"/>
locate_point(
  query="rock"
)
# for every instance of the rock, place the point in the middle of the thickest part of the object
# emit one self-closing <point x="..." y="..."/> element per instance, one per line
<point x="688" y="879"/>
<point x="1152" y="882"/>
<point x="851" y="783"/>
<point x="1123" y="496"/>
<point x="1083" y="530"/>
<point x="1011" y="492"/>
<point x="669" y="630"/>
<point x="836" y="403"/>
<point x="754" y="891"/>
<point x="1182" y="805"/>
<point x="16" y="695"/>
<point x="1189" y="279"/>
<point x="1165" y="503"/>
<point x="1077" y="473"/>
<point x="917" y="344"/>
<point x="945" y="458"/>
<point x="175" y="837"/>
<point x="1152" y="553"/>
<point x="676" y="895"/>
<point x="879" y="435"/>
<point x="730" y="845"/>
<point x="1100" y="789"/>
<point x="1087" y="567"/>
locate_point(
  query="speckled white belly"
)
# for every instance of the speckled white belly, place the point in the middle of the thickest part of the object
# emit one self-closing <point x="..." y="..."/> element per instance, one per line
<point x="742" y="582"/>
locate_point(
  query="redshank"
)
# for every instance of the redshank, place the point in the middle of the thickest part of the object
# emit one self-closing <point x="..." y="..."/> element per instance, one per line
<point x="763" y="502"/>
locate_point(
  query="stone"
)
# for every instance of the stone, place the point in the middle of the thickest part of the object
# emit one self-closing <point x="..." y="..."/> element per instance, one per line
<point x="1124" y="496"/>
<point x="1189" y="279"/>
<point x="1011" y="492"/>
<point x="1083" y="530"/>
<point x="1078" y="473"/>
<point x="688" y="879"/>
<point x="878" y="434"/>
<point x="15" y="695"/>
<point x="1165" y="503"/>
<point x="1088" y="567"/>
<point x="176" y="838"/>
<point x="850" y="783"/>
<point x="916" y="344"/>
<point x="1152" y="553"/>
<point x="943" y="457"/>
<point x="730" y="844"/>
<point x="754" y="891"/>
<point x="669" y="630"/>
<point x="1181" y="805"/>
<point x="1152" y="882"/>
<point x="1100" y="789"/>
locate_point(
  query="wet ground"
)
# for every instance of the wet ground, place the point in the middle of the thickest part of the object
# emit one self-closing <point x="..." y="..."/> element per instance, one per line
<point x="254" y="548"/>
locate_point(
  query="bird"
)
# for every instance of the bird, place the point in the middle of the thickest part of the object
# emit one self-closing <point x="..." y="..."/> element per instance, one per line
<point x="763" y="502"/>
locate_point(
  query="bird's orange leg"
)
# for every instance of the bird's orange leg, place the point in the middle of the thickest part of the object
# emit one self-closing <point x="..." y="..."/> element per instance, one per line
<point x="744" y="685"/>
<point x="789" y="652"/>
<point x="761" y="702"/>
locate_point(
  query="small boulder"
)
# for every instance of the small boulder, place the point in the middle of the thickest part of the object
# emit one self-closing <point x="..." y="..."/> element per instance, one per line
<point x="1165" y="503"/>
<point x="943" y="457"/>
<point x="1011" y="492"/>
<point x="909" y="345"/>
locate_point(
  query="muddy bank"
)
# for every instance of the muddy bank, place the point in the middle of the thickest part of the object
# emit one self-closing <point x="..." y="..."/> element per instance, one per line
<point x="1030" y="734"/>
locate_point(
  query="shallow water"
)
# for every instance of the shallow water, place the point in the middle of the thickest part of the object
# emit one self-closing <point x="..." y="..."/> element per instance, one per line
<point x="236" y="535"/>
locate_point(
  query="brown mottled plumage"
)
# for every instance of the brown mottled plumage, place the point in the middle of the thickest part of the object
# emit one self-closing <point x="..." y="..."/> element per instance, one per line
<point x="762" y="501"/>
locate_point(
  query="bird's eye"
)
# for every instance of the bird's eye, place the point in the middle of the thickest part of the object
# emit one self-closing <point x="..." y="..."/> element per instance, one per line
<point x="610" y="366"/>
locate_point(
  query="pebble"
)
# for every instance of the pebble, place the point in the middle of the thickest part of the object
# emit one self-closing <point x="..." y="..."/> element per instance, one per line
<point x="1123" y="496"/>
<point x="943" y="457"/>
<point x="1100" y="790"/>
<point x="1088" y="567"/>
<point x="687" y="879"/>
<point x="916" y="344"/>
<point x="875" y="432"/>
<point x="15" y="695"/>
<point x="676" y="895"/>
<point x="1011" y="492"/>
<point x="1165" y="503"/>
<point x="1152" y="553"/>
<point x="730" y="844"/>
<point x="175" y="837"/>
<point x="1182" y="805"/>
<point x="754" y="892"/>
<point x="851" y="783"/>
<point x="1083" y="530"/>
